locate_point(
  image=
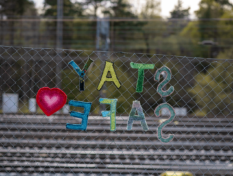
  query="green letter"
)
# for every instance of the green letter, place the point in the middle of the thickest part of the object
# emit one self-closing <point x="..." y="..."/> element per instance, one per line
<point x="141" y="68"/>
<point x="172" y="116"/>
<point x="109" y="68"/>
<point x="111" y="113"/>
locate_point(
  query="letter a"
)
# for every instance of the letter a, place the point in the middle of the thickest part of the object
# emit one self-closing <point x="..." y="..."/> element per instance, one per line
<point x="109" y="68"/>
<point x="140" y="117"/>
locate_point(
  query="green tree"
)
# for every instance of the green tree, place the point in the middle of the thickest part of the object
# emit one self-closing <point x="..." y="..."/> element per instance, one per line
<point x="70" y="10"/>
<point x="179" y="11"/>
<point x="119" y="9"/>
<point x="192" y="36"/>
<point x="92" y="6"/>
<point x="151" y="9"/>
<point x="151" y="29"/>
<point x="210" y="9"/>
<point x="173" y="31"/>
<point x="206" y="33"/>
<point x="14" y="9"/>
<point x="122" y="31"/>
<point x="225" y="28"/>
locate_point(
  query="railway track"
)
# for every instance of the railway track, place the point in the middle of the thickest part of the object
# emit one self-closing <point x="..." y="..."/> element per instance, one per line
<point x="39" y="145"/>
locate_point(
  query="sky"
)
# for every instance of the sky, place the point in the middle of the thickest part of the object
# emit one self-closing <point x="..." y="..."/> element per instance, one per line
<point x="166" y="6"/>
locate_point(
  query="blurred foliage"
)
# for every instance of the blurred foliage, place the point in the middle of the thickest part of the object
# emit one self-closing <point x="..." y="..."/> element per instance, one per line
<point x="150" y="10"/>
<point x="179" y="11"/>
<point x="213" y="89"/>
<point x="119" y="9"/>
<point x="157" y="35"/>
<point x="70" y="9"/>
<point x="225" y="28"/>
<point x="14" y="8"/>
<point x="210" y="30"/>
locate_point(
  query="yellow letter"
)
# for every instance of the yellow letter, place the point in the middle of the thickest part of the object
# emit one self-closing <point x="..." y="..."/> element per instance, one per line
<point x="109" y="68"/>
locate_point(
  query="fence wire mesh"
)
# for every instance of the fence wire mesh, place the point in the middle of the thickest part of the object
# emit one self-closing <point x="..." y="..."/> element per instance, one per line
<point x="32" y="143"/>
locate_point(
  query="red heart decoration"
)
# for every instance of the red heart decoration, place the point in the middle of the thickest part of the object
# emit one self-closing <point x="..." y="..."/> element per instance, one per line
<point x="50" y="100"/>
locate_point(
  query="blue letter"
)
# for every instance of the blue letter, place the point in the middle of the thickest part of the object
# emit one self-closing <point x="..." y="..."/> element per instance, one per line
<point x="80" y="72"/>
<point x="83" y="116"/>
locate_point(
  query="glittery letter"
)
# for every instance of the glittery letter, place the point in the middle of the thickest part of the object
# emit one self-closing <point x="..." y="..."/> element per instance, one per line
<point x="164" y="82"/>
<point x="140" y="117"/>
<point x="109" y="68"/>
<point x="172" y="116"/>
<point x="80" y="72"/>
<point x="111" y="113"/>
<point x="83" y="116"/>
<point x="141" y="68"/>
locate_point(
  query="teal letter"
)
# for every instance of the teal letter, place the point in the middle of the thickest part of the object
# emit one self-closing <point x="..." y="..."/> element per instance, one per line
<point x="111" y="113"/>
<point x="172" y="116"/>
<point x="164" y="82"/>
<point x="141" y="68"/>
<point x="140" y="117"/>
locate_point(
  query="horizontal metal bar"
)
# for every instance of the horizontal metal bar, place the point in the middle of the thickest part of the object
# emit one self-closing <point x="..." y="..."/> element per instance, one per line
<point x="120" y="128"/>
<point x="55" y="135"/>
<point x="111" y="143"/>
<point x="119" y="152"/>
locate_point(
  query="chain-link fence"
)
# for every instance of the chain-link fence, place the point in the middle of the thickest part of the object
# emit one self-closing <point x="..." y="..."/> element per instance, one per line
<point x="32" y="143"/>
